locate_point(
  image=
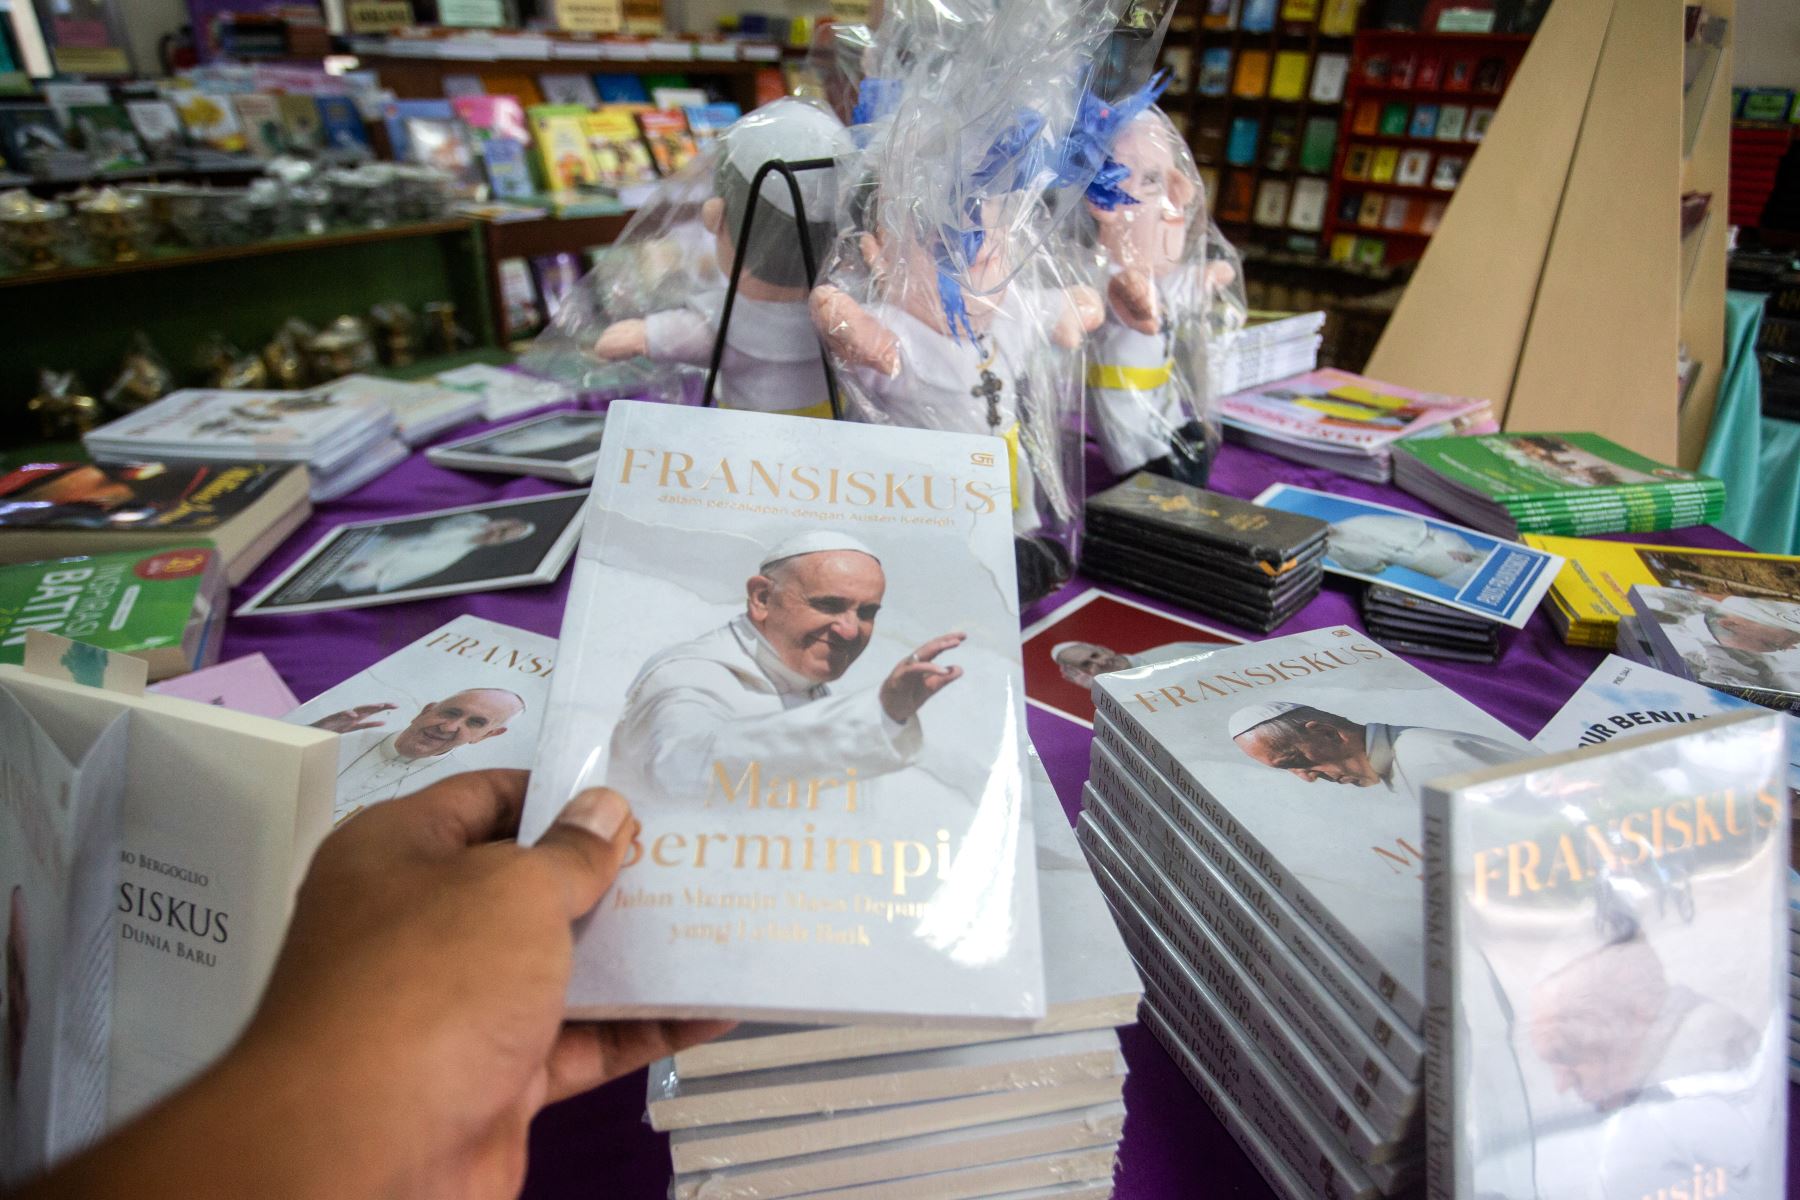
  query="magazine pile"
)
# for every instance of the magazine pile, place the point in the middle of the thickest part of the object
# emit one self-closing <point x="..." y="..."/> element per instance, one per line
<point x="343" y="440"/>
<point x="1748" y="647"/>
<point x="1592" y="592"/>
<point x="1270" y="346"/>
<point x="1253" y="818"/>
<point x="1343" y="422"/>
<point x="1572" y="484"/>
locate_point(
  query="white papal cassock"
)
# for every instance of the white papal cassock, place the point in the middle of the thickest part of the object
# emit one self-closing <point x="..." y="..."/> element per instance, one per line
<point x="725" y="700"/>
<point x="386" y="563"/>
<point x="1370" y="545"/>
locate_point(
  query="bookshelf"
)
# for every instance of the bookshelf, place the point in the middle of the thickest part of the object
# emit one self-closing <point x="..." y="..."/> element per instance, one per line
<point x="1416" y="108"/>
<point x="1245" y="98"/>
<point x="1558" y="284"/>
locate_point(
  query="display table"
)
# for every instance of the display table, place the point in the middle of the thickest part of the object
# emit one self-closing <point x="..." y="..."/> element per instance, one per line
<point x="599" y="1144"/>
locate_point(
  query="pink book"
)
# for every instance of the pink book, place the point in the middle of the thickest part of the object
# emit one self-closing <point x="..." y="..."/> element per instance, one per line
<point x="247" y="685"/>
<point x="493" y="116"/>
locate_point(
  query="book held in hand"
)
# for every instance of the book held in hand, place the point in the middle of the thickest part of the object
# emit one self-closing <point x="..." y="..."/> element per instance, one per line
<point x="794" y="646"/>
<point x="1608" y="997"/>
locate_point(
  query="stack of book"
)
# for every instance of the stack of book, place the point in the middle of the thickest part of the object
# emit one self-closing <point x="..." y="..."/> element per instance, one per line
<point x="1563" y="483"/>
<point x="344" y="441"/>
<point x="1278" y="918"/>
<point x="241" y="510"/>
<point x="875" y="1111"/>
<point x="1270" y="346"/>
<point x="1414" y="625"/>
<point x="421" y="410"/>
<point x="1746" y="647"/>
<point x="1344" y="422"/>
<point x="1592" y="592"/>
<point x="1248" y="565"/>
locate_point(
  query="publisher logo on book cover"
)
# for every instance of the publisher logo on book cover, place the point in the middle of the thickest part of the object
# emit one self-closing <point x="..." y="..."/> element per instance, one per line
<point x="981" y="458"/>
<point x="173" y="564"/>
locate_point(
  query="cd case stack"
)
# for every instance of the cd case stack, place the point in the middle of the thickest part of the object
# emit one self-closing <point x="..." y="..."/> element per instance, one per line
<point x="894" y="1113"/>
<point x="1414" y="625"/>
<point x="344" y="440"/>
<point x="1248" y="565"/>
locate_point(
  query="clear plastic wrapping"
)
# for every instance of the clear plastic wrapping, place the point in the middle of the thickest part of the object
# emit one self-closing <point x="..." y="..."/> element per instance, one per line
<point x="645" y="319"/>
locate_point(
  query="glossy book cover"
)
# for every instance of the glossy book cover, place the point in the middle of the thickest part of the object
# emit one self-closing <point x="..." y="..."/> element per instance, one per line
<point x="1608" y="994"/>
<point x="794" y="646"/>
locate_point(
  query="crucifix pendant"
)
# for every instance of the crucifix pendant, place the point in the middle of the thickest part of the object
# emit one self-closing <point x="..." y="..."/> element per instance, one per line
<point x="989" y="389"/>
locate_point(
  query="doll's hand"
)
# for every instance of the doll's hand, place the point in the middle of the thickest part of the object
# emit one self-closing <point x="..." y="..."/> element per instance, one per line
<point x="1219" y="275"/>
<point x="1133" y="297"/>
<point x="1081" y="315"/>
<point x="854" y="337"/>
<point x="622" y="339"/>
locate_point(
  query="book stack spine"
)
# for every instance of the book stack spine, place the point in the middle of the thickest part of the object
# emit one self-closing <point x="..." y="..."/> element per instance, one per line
<point x="1304" y="1047"/>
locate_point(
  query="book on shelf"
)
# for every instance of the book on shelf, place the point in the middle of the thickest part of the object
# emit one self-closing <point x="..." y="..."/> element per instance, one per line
<point x="1220" y="14"/>
<point x="1345" y="421"/>
<point x="1215" y="71"/>
<point x="1257" y="16"/>
<point x="105" y="132"/>
<point x="300" y="124"/>
<point x="1397" y="214"/>
<point x="220" y="814"/>
<point x="677" y="98"/>
<point x="158" y="127"/>
<point x="773" y="727"/>
<point x="1330" y="71"/>
<point x="567" y="88"/>
<point x="1428" y="76"/>
<point x="1413" y="168"/>
<point x="707" y="121"/>
<point x="265" y="133"/>
<point x="1337" y="18"/>
<point x="210" y="120"/>
<point x="622" y="158"/>
<point x="59" y="875"/>
<point x="1310" y="199"/>
<point x="1592" y="592"/>
<point x="1366" y="120"/>
<point x="1287" y="77"/>
<point x="1403" y="69"/>
<point x="1559" y="483"/>
<point x="1178" y="61"/>
<point x="502" y="138"/>
<point x="565" y="157"/>
<point x="1424" y="121"/>
<point x="1748" y="647"/>
<point x="341" y="125"/>
<point x="1612" y="1024"/>
<point x="621" y="89"/>
<point x="1383" y="163"/>
<point x="241" y="510"/>
<point x="1240" y="151"/>
<point x="1318" y="142"/>
<point x="1459" y="74"/>
<point x="1393" y="119"/>
<point x="1300" y="12"/>
<point x="671" y="145"/>
<point x="1251" y="80"/>
<point x="1370" y="252"/>
<point x="163" y="606"/>
<point x="468" y="696"/>
<point x="1210" y="136"/>
<point x="1271" y="203"/>
<point x="1357" y="160"/>
<point x="1279" y="146"/>
<point x="1479" y="120"/>
<point x="1369" y="214"/>
<point x="1238" y="196"/>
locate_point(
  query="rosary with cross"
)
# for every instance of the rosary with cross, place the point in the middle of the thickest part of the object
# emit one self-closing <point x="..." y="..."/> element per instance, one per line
<point x="989" y="388"/>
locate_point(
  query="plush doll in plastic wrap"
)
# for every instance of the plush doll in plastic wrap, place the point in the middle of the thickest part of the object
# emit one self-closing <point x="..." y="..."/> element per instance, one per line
<point x="1147" y="380"/>
<point x="654" y="303"/>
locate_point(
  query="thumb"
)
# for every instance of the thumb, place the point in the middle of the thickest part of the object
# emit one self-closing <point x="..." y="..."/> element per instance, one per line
<point x="587" y="845"/>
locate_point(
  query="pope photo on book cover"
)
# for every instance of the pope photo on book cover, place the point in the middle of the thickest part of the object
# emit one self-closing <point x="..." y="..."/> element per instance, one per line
<point x="794" y="646"/>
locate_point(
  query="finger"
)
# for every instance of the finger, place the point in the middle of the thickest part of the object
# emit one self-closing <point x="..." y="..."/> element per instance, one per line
<point x="362" y="725"/>
<point x="585" y="1056"/>
<point x="586" y="846"/>
<point x="939" y="644"/>
<point x="369" y="710"/>
<point x="937" y="683"/>
<point x="462" y="811"/>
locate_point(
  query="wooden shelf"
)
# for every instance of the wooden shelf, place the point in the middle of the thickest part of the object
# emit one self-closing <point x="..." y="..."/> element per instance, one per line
<point x="550" y="235"/>
<point x="1403" y="189"/>
<point x="164" y="258"/>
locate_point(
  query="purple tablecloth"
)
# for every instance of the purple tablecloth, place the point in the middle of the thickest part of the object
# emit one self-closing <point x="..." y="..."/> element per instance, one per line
<point x="599" y="1145"/>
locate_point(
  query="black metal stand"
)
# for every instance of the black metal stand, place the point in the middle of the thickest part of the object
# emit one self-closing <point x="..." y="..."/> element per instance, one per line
<point x="787" y="171"/>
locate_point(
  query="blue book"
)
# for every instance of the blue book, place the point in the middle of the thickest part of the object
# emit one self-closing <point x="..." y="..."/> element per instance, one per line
<point x="707" y="121"/>
<point x="1424" y="120"/>
<point x="508" y="168"/>
<point x="1258" y="16"/>
<point x="399" y="112"/>
<point x="621" y="89"/>
<point x="1215" y="71"/>
<point x="1240" y="149"/>
<point x="341" y="125"/>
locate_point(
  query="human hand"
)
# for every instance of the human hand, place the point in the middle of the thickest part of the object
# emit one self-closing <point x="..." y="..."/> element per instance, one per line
<point x="1133" y="297"/>
<point x="622" y="339"/>
<point x="352" y="719"/>
<point x="916" y="678"/>
<point x="854" y="337"/>
<point x="427" y="964"/>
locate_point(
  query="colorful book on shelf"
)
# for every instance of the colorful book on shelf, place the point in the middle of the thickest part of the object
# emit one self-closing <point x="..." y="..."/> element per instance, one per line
<point x="1330" y="71"/>
<point x="502" y="138"/>
<point x="1271" y="203"/>
<point x="1383" y="163"/>
<point x="1252" y="78"/>
<point x="1452" y="118"/>
<point x="621" y="89"/>
<point x="568" y="89"/>
<point x="1215" y="71"/>
<point x="1396" y="215"/>
<point x="264" y="130"/>
<point x="1430" y="74"/>
<point x="1402" y="67"/>
<point x="1283" y="140"/>
<point x="620" y="153"/>
<point x="1241" y="150"/>
<point x="300" y="122"/>
<point x="341" y="125"/>
<point x="1219" y="14"/>
<point x="1178" y="61"/>
<point x="1257" y="16"/>
<point x="1424" y="121"/>
<point x="493" y="116"/>
<point x="707" y="121"/>
<point x="564" y="155"/>
<point x="1371" y="252"/>
<point x="1459" y="74"/>
<point x="106" y="134"/>
<point x="158" y="127"/>
<point x="210" y="120"/>
<point x="1310" y="198"/>
<point x="1209" y="137"/>
<point x="1300" y="12"/>
<point x="1337" y="18"/>
<point x="1238" y="197"/>
<point x="1366" y="120"/>
<point x="1357" y="160"/>
<point x="1317" y="143"/>
<point x="1414" y="168"/>
<point x="397" y="115"/>
<point x="1479" y="120"/>
<point x="1394" y="119"/>
<point x="1287" y="78"/>
<point x="1447" y="174"/>
<point x="520" y="87"/>
<point x="666" y="132"/>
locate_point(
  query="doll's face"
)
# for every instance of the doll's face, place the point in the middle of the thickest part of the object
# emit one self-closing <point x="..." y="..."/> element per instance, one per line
<point x="1151" y="234"/>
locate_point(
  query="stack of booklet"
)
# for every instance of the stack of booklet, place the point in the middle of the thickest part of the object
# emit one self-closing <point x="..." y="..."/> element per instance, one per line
<point x="242" y="510"/>
<point x="1253" y="818"/>
<point x="1748" y="647"/>
<point x="1251" y="566"/>
<point x="1564" y="483"/>
<point x="1271" y="346"/>
<point x="345" y="441"/>
<point x="1592" y="591"/>
<point x="421" y="410"/>
<point x="883" y="1111"/>
<point x="1427" y="628"/>
<point x="1344" y="422"/>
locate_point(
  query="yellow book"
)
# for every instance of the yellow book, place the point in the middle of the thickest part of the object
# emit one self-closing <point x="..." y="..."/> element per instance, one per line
<point x="620" y="155"/>
<point x="559" y="132"/>
<point x="1381" y="167"/>
<point x="1288" y="81"/>
<point x="1594" y="585"/>
<point x="1339" y="17"/>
